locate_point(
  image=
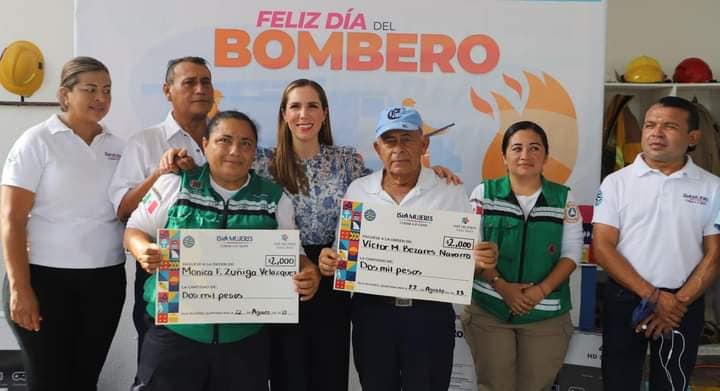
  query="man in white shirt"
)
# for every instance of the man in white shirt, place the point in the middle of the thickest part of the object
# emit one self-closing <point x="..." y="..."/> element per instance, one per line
<point x="159" y="149"/>
<point x="653" y="233"/>
<point x="400" y="343"/>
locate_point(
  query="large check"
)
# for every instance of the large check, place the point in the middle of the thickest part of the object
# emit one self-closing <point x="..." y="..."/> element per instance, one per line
<point x="227" y="276"/>
<point x="417" y="254"/>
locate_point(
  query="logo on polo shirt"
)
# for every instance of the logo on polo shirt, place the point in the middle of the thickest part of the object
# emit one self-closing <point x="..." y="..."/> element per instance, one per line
<point x="598" y="198"/>
<point x="695" y="199"/>
<point x="112" y="156"/>
<point x="12" y="157"/>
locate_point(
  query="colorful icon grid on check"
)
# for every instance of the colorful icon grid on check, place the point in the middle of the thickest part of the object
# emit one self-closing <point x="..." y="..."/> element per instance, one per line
<point x="348" y="243"/>
<point x="168" y="277"/>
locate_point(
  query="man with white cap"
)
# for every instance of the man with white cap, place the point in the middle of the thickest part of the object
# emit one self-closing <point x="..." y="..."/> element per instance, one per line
<point x="401" y="343"/>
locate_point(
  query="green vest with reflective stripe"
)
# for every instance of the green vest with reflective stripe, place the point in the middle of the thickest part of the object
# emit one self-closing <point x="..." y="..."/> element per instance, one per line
<point x="199" y="206"/>
<point x="529" y="249"/>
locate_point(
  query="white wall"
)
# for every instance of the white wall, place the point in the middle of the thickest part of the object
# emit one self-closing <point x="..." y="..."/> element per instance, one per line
<point x="669" y="30"/>
<point x="49" y="24"/>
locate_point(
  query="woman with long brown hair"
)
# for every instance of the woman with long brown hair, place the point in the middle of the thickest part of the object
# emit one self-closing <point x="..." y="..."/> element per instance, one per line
<point x="313" y="355"/>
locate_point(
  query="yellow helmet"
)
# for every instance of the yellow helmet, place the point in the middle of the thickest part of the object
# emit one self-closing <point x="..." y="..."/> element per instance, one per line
<point x="645" y="74"/>
<point x="643" y="60"/>
<point x="21" y="68"/>
<point x="644" y="69"/>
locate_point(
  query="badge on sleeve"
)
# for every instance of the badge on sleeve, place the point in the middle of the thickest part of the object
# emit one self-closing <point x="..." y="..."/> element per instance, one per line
<point x="151" y="201"/>
<point x="477" y="206"/>
<point x="572" y="214"/>
<point x="598" y="198"/>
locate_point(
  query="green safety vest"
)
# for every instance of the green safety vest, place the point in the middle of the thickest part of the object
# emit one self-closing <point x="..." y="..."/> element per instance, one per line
<point x="529" y="249"/>
<point x="199" y="206"/>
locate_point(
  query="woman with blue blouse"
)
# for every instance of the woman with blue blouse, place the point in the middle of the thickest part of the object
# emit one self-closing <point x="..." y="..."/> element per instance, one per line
<point x="314" y="354"/>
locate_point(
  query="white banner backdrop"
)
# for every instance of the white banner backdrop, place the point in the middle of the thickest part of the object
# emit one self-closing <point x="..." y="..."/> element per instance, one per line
<point x="481" y="64"/>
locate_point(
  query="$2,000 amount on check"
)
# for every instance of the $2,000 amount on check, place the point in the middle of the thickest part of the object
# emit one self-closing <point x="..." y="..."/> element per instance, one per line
<point x="227" y="276"/>
<point x="411" y="253"/>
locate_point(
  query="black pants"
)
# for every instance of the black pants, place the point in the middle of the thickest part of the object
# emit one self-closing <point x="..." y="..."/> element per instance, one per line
<point x="408" y="348"/>
<point x="624" y="350"/>
<point x="171" y="362"/>
<point x="80" y="310"/>
<point x="139" y="312"/>
<point x="314" y="354"/>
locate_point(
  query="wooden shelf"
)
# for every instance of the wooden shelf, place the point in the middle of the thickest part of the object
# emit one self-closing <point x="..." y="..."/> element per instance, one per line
<point x="642" y="86"/>
<point x="638" y="86"/>
<point x="673" y="89"/>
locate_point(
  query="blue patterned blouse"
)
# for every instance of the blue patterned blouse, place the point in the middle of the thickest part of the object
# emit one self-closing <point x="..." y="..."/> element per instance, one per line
<point x="329" y="174"/>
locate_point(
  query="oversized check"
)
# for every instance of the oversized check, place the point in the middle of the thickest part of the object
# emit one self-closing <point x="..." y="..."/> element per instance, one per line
<point x="409" y="253"/>
<point x="227" y="276"/>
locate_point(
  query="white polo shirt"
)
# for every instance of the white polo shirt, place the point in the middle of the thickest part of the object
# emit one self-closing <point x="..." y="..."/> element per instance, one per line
<point x="572" y="238"/>
<point x="662" y="219"/>
<point x="143" y="152"/>
<point x="153" y="213"/>
<point x="72" y="223"/>
<point x="430" y="192"/>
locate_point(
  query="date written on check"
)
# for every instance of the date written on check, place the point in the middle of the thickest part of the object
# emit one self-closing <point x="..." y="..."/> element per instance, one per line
<point x="418" y="254"/>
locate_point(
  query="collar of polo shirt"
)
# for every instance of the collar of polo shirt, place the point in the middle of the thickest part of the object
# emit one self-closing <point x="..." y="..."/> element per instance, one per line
<point x="690" y="169"/>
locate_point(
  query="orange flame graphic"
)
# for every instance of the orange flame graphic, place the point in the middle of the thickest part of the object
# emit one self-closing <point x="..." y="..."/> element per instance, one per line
<point x="549" y="105"/>
<point x="218" y="97"/>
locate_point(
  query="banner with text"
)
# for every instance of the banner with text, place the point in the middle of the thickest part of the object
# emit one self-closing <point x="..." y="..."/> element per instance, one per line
<point x="481" y="64"/>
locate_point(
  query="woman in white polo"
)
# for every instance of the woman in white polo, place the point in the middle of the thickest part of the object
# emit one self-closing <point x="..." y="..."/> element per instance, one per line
<point x="65" y="282"/>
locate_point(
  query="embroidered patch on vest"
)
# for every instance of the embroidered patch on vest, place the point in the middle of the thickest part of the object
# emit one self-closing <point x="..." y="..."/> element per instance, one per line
<point x="572" y="214"/>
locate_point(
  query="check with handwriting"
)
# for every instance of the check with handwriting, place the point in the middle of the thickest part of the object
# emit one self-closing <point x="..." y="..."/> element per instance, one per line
<point x="227" y="276"/>
<point x="409" y="253"/>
